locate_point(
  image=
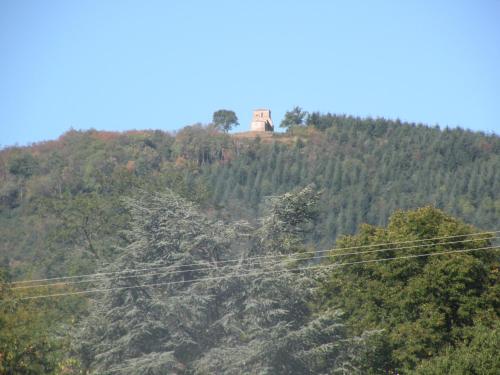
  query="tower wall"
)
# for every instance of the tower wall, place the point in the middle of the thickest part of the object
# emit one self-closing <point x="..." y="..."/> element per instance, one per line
<point x="261" y="121"/>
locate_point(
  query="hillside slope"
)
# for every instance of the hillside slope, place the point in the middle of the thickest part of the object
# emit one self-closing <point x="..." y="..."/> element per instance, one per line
<point x="61" y="208"/>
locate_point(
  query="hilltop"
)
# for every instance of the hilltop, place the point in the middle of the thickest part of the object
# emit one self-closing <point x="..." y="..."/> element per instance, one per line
<point x="63" y="197"/>
<point x="94" y="201"/>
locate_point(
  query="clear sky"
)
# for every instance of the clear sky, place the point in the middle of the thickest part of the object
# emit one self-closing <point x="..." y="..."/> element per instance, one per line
<point x="119" y="65"/>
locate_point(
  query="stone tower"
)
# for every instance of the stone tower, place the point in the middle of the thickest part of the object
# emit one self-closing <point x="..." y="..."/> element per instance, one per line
<point x="261" y="121"/>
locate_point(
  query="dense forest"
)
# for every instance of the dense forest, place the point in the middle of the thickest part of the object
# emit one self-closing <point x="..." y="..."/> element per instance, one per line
<point x="244" y="223"/>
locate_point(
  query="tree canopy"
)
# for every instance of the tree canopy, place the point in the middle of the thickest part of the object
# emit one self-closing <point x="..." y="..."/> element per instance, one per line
<point x="423" y="306"/>
<point x="225" y="119"/>
<point x="294" y="117"/>
<point x="95" y="201"/>
<point x="218" y="311"/>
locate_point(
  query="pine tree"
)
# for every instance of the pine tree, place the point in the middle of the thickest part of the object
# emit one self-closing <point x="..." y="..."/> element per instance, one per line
<point x="161" y="328"/>
<point x="208" y="313"/>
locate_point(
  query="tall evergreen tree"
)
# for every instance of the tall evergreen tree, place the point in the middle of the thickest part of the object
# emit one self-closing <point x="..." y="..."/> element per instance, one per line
<point x="206" y="312"/>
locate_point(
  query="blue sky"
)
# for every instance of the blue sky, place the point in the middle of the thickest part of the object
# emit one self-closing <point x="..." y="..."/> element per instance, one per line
<point x="119" y="65"/>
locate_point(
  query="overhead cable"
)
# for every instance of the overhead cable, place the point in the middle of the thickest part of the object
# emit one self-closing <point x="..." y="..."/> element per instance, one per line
<point x="103" y="274"/>
<point x="257" y="273"/>
<point x="214" y="265"/>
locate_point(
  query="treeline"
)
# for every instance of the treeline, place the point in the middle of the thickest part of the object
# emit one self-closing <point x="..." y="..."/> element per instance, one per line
<point x="73" y="206"/>
<point x="60" y="201"/>
<point x="61" y="208"/>
<point x="367" y="169"/>
<point x="236" y="297"/>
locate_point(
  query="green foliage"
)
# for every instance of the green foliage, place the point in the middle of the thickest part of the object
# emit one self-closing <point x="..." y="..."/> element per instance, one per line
<point x="289" y="217"/>
<point x="68" y="216"/>
<point x="225" y="120"/>
<point x="31" y="339"/>
<point x="294" y="117"/>
<point x="23" y="165"/>
<point x="477" y="354"/>
<point x="62" y="213"/>
<point x="419" y="305"/>
<point x="214" y="316"/>
<point x="201" y="145"/>
<point x="366" y="169"/>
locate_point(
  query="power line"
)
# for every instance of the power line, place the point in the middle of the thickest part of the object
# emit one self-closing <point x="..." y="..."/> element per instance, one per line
<point x="291" y="257"/>
<point x="255" y="258"/>
<point x="213" y="265"/>
<point x="257" y="273"/>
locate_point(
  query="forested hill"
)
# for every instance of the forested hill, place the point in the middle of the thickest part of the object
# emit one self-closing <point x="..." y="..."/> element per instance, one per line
<point x="369" y="168"/>
<point x="61" y="205"/>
